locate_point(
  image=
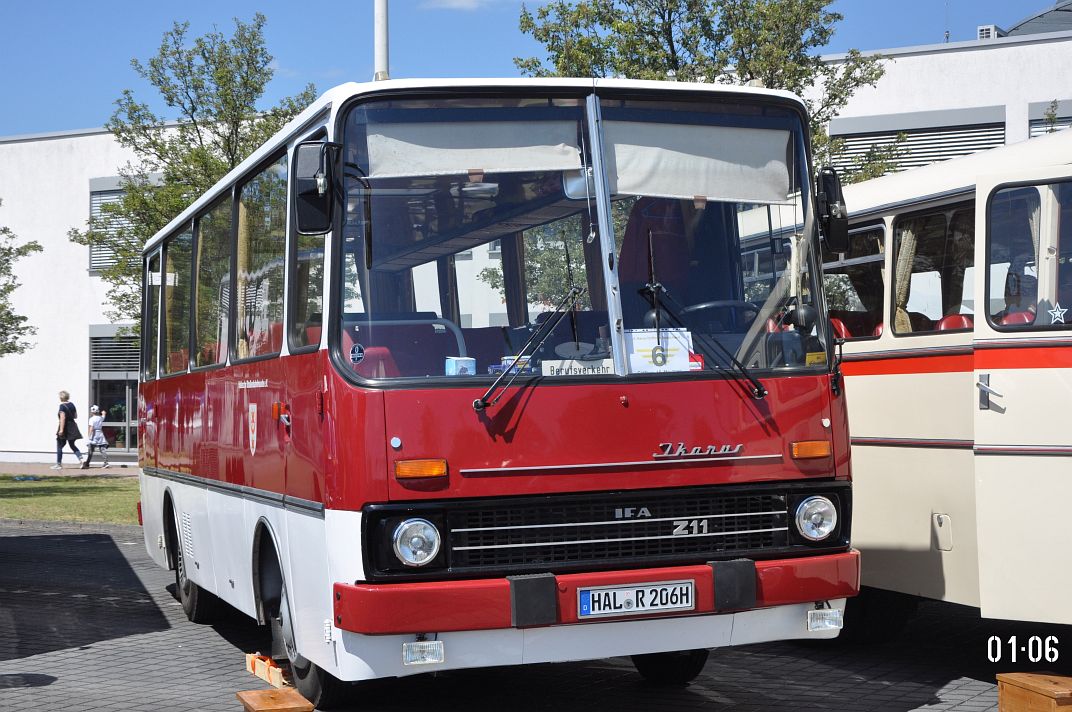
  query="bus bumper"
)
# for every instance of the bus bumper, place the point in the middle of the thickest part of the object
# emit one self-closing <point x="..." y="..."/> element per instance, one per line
<point x="490" y="604"/>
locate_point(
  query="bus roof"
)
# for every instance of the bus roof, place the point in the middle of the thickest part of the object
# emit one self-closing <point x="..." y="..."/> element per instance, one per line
<point x="954" y="176"/>
<point x="326" y="102"/>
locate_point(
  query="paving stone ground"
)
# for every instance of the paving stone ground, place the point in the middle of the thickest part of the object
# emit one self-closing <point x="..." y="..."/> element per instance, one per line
<point x="88" y="622"/>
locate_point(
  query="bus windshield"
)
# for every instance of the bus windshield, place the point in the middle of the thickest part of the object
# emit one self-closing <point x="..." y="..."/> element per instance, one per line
<point x="473" y="224"/>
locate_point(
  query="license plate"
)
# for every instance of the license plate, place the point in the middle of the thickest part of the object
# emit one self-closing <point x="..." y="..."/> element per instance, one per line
<point x="636" y="598"/>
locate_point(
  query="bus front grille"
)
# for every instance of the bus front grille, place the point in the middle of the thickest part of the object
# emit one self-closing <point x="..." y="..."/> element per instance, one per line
<point x="633" y="526"/>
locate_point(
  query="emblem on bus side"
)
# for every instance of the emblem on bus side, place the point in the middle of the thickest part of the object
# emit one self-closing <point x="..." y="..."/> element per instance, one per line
<point x="679" y="451"/>
<point x="252" y="428"/>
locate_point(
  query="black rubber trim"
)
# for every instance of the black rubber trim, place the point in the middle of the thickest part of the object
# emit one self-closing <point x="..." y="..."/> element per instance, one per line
<point x="735" y="584"/>
<point x="533" y="600"/>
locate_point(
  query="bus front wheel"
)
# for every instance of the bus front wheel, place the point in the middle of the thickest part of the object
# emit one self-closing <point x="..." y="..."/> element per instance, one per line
<point x="677" y="668"/>
<point x="321" y="688"/>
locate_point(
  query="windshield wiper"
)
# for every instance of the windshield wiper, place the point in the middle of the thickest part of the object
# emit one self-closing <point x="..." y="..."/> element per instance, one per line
<point x="567" y="303"/>
<point x="757" y="390"/>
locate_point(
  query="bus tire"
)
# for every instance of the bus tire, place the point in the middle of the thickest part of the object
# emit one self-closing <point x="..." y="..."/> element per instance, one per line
<point x="199" y="605"/>
<point x="321" y="688"/>
<point x="677" y="668"/>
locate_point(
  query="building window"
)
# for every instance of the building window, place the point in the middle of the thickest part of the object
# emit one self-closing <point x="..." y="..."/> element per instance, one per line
<point x="113" y="375"/>
<point x="920" y="146"/>
<point x="101" y="257"/>
<point x="1041" y="127"/>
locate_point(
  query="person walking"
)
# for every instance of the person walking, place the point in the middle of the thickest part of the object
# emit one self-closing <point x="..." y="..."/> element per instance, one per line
<point x="97" y="441"/>
<point x="67" y="431"/>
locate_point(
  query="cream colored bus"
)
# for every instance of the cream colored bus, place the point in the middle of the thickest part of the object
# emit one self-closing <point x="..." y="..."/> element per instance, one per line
<point x="955" y="304"/>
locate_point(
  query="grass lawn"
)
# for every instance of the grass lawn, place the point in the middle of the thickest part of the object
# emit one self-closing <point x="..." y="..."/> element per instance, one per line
<point x="111" y="500"/>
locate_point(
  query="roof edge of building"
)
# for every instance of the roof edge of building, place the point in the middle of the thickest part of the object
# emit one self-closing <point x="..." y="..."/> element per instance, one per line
<point x="966" y="45"/>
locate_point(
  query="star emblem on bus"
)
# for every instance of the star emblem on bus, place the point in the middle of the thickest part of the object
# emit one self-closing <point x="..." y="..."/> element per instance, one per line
<point x="1057" y="314"/>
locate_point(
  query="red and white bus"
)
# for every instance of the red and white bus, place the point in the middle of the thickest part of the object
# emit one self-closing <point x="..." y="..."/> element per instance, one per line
<point x="951" y="298"/>
<point x="457" y="374"/>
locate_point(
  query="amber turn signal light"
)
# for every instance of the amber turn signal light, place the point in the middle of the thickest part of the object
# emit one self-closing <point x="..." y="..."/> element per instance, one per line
<point x="805" y="449"/>
<point x="419" y="469"/>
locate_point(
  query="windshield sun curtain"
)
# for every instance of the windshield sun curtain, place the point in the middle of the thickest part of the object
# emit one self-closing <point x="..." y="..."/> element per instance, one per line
<point x="471" y="245"/>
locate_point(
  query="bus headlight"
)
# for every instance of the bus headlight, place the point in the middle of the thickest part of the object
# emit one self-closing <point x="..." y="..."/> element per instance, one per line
<point x="816" y="518"/>
<point x="416" y="542"/>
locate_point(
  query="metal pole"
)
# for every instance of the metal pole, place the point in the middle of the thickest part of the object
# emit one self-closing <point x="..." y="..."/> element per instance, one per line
<point x="380" y="22"/>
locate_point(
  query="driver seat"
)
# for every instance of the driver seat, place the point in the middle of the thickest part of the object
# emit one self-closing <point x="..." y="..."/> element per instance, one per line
<point x="669" y="253"/>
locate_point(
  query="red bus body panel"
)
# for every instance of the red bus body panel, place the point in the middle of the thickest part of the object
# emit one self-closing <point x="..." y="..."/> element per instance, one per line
<point x="484" y="604"/>
<point x="543" y="438"/>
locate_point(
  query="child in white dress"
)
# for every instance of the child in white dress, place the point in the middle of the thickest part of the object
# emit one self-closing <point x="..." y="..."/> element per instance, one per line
<point x="97" y="441"/>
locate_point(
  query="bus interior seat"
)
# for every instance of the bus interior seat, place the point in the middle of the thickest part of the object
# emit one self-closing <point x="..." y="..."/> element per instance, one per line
<point x="376" y="363"/>
<point x="178" y="360"/>
<point x="486" y="344"/>
<point x="855" y="322"/>
<point x="416" y="349"/>
<point x="312" y="334"/>
<point x="840" y="330"/>
<point x="209" y="354"/>
<point x="920" y="322"/>
<point x="773" y="327"/>
<point x="669" y="252"/>
<point x="953" y="322"/>
<point x="588" y="323"/>
<point x="1018" y="318"/>
<point x="275" y="337"/>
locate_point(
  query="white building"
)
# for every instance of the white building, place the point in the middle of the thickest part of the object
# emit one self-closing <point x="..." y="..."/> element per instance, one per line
<point x="949" y="99"/>
<point x="960" y="97"/>
<point x="48" y="183"/>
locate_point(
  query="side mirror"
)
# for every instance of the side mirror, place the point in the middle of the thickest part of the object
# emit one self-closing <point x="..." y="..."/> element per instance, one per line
<point x="833" y="217"/>
<point x="314" y="179"/>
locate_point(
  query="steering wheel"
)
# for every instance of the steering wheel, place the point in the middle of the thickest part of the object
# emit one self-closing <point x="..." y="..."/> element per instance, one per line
<point x="747" y="311"/>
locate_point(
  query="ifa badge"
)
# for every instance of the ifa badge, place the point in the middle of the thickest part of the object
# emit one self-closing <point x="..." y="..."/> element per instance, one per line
<point x="252" y="428"/>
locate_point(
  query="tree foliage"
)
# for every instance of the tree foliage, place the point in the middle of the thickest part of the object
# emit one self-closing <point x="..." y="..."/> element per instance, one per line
<point x="774" y="43"/>
<point x="14" y="328"/>
<point x="211" y="86"/>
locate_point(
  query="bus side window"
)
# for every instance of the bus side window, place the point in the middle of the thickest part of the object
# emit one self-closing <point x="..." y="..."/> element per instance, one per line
<point x="262" y="211"/>
<point x="151" y="333"/>
<point x="212" y="308"/>
<point x="933" y="259"/>
<point x="176" y="302"/>
<point x="853" y="284"/>
<point x="1014" y="222"/>
<point x="307" y="291"/>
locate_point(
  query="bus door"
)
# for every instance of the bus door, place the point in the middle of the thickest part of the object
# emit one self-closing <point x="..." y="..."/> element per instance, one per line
<point x="306" y="370"/>
<point x="1023" y="390"/>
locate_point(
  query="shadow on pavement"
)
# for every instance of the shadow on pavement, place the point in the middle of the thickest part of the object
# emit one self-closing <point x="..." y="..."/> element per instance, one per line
<point x="68" y="591"/>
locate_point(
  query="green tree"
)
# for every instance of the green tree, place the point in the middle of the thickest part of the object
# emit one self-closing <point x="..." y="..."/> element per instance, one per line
<point x="1050" y="117"/>
<point x="774" y="43"/>
<point x="13" y="326"/>
<point x="211" y="85"/>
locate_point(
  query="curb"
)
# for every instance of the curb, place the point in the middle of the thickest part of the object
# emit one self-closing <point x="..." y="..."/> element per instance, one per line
<point x="98" y="527"/>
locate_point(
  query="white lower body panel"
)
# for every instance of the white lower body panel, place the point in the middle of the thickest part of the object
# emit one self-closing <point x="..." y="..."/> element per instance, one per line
<point x="363" y="657"/>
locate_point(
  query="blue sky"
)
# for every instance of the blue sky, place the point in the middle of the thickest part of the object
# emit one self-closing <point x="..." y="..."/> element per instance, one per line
<point x="63" y="63"/>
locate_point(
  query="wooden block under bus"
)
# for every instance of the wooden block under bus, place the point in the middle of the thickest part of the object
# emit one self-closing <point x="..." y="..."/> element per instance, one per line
<point x="285" y="700"/>
<point x="261" y="669"/>
<point x="1034" y="692"/>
